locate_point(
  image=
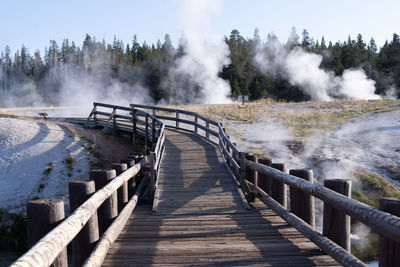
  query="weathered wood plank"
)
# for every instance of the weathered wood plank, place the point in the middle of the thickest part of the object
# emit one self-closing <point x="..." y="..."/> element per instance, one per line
<point x="201" y="219"/>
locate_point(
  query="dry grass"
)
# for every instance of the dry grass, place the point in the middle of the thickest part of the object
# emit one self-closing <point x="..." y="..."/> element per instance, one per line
<point x="303" y="119"/>
<point x="372" y="186"/>
<point x="250" y="112"/>
<point x="5" y="112"/>
<point x="392" y="170"/>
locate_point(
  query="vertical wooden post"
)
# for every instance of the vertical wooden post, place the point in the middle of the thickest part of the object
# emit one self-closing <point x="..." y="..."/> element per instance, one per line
<point x="109" y="209"/>
<point x="228" y="149"/>
<point x="43" y="215"/>
<point x="264" y="181"/>
<point x="389" y="250"/>
<point x="134" y="121"/>
<point x="220" y="139"/>
<point x="146" y="133"/>
<point x="251" y="175"/>
<point x="95" y="114"/>
<point x="114" y="118"/>
<point x="279" y="189"/>
<point x="242" y="168"/>
<point x="208" y="127"/>
<point x="302" y="204"/>
<point x="196" y="120"/>
<point x="123" y="190"/>
<point x="336" y="224"/>
<point x="177" y="118"/>
<point x="132" y="182"/>
<point x="153" y="133"/>
<point x="152" y="171"/>
<point x="85" y="241"/>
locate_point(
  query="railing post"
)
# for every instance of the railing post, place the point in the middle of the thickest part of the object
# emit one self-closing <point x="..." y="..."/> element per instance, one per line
<point x="302" y="204"/>
<point x="95" y="114"/>
<point x="208" y="127"/>
<point x="196" y="120"/>
<point x="228" y="149"/>
<point x="152" y="171"/>
<point x="132" y="182"/>
<point x="109" y="209"/>
<point x="389" y="250"/>
<point x="146" y="133"/>
<point x="336" y="224"/>
<point x="177" y="118"/>
<point x="251" y="175"/>
<point x="153" y="133"/>
<point x="85" y="241"/>
<point x="279" y="189"/>
<point x="114" y="118"/>
<point x="242" y="168"/>
<point x="42" y="216"/>
<point x="264" y="181"/>
<point x="134" y="121"/>
<point x="123" y="190"/>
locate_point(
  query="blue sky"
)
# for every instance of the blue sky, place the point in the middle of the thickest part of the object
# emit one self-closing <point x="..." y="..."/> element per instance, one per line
<point x="35" y="23"/>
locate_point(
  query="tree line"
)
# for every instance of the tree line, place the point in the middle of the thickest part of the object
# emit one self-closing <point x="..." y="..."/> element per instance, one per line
<point x="149" y="64"/>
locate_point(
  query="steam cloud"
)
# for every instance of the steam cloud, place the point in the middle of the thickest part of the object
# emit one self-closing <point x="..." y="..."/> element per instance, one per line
<point x="195" y="75"/>
<point x="303" y="69"/>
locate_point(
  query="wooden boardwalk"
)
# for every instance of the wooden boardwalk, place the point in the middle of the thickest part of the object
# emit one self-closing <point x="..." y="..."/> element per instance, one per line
<point x="201" y="219"/>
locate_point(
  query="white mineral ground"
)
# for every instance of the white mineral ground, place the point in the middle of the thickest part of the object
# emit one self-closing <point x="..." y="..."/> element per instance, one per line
<point x="26" y="149"/>
<point x="366" y="142"/>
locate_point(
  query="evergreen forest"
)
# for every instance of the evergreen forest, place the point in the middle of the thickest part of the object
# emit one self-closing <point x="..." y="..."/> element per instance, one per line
<point x="148" y="65"/>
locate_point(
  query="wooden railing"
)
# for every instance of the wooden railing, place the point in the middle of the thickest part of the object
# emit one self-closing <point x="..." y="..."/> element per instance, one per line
<point x="46" y="250"/>
<point x="250" y="175"/>
<point x="121" y="119"/>
<point x="387" y="225"/>
<point x="137" y="122"/>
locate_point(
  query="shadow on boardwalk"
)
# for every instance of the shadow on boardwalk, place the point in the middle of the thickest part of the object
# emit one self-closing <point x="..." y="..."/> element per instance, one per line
<point x="201" y="219"/>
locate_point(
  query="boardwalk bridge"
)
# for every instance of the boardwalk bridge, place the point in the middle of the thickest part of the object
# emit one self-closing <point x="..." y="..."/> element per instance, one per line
<point x="211" y="205"/>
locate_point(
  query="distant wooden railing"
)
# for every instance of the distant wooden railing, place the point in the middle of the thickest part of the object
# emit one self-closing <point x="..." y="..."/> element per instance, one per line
<point x="136" y="122"/>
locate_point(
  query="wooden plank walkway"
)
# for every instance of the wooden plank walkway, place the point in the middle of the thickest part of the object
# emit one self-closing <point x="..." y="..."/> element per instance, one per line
<point x="201" y="219"/>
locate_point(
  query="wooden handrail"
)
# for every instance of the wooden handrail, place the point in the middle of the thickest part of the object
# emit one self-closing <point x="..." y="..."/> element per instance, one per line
<point x="382" y="222"/>
<point x="341" y="255"/>
<point x="378" y="220"/>
<point x="47" y="249"/>
<point x="98" y="254"/>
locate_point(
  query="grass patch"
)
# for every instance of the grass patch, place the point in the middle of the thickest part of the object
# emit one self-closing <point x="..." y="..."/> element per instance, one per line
<point x="303" y="118"/>
<point x="41" y="187"/>
<point x="371" y="186"/>
<point x="5" y="112"/>
<point x="69" y="161"/>
<point x="368" y="251"/>
<point x="392" y="170"/>
<point x="48" y="168"/>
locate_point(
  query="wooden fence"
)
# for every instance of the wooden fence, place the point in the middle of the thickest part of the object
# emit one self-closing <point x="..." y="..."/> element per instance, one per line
<point x="104" y="206"/>
<point x="250" y="174"/>
<point x="266" y="181"/>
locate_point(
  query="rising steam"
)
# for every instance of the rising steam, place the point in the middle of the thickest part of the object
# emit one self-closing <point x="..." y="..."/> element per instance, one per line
<point x="195" y="75"/>
<point x="303" y="69"/>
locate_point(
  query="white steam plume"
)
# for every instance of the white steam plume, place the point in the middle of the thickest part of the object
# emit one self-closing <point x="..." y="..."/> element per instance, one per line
<point x="303" y="69"/>
<point x="205" y="56"/>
